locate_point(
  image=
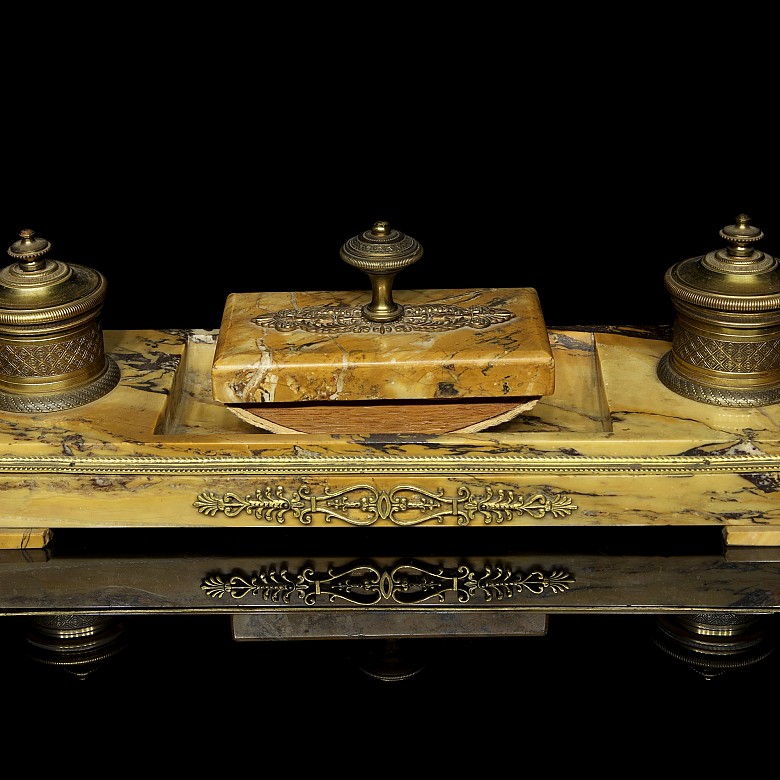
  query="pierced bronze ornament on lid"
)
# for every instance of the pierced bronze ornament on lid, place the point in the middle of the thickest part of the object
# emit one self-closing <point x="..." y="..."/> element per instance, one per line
<point x="726" y="342"/>
<point x="51" y="344"/>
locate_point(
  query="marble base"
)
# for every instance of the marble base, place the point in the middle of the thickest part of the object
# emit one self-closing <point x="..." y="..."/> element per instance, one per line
<point x="612" y="446"/>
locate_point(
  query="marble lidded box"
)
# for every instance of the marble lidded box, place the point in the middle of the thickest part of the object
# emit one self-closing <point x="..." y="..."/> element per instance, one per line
<point x="408" y="361"/>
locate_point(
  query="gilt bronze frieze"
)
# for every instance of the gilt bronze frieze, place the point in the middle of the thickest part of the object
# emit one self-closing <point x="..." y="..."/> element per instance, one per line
<point x="403" y="505"/>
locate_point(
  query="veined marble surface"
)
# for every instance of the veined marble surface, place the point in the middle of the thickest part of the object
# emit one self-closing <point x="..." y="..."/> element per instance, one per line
<point x="611" y="446"/>
<point x="315" y="346"/>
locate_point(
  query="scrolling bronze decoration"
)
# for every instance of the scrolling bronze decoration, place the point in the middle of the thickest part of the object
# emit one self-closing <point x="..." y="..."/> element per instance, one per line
<point x="371" y="505"/>
<point x="331" y="319"/>
<point x="365" y="584"/>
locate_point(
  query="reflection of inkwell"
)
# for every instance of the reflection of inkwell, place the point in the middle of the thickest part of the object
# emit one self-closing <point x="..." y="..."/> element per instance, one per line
<point x="726" y="343"/>
<point x="51" y="343"/>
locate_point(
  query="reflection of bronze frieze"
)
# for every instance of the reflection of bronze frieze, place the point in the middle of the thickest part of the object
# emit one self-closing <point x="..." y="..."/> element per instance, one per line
<point x="404" y="583"/>
<point x="404" y="505"/>
<point x="349" y="319"/>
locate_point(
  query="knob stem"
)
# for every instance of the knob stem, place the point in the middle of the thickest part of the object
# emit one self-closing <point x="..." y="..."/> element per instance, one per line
<point x="381" y="252"/>
<point x="382" y="307"/>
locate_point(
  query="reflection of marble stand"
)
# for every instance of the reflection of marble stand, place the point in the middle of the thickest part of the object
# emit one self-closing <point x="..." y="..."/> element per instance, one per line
<point x="714" y="611"/>
<point x="610" y="448"/>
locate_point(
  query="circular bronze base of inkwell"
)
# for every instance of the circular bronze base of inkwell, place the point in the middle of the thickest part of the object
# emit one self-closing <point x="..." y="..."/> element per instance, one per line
<point x="712" y="644"/>
<point x="726" y="338"/>
<point x="392" y="660"/>
<point x="76" y="644"/>
<point x="51" y="344"/>
<point x="32" y="403"/>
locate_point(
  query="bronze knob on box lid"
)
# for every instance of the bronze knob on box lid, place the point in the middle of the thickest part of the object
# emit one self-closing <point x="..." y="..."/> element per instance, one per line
<point x="51" y="343"/>
<point x="381" y="252"/>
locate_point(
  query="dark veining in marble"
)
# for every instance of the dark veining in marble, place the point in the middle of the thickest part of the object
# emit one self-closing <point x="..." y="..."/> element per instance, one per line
<point x="143" y="371"/>
<point x="71" y="442"/>
<point x="754" y="598"/>
<point x="766" y="483"/>
<point x="567" y="342"/>
<point x="658" y="332"/>
<point x="181" y="337"/>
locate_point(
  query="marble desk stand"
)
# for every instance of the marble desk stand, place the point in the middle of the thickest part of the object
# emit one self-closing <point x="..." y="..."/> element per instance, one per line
<point x="611" y="446"/>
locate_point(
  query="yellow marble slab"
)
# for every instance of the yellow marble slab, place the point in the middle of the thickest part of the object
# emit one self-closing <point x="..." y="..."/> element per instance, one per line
<point x="752" y="537"/>
<point x="611" y="446"/>
<point x="315" y="346"/>
<point x="23" y="538"/>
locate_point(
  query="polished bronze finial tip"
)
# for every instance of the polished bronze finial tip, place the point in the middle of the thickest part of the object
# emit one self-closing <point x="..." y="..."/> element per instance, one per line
<point x="28" y="247"/>
<point x="741" y="235"/>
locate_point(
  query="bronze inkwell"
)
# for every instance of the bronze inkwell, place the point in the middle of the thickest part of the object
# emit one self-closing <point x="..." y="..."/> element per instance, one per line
<point x="726" y="339"/>
<point x="51" y="343"/>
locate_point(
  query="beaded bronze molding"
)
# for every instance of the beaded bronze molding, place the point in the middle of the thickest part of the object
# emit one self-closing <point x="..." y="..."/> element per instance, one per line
<point x="718" y="396"/>
<point x="698" y="462"/>
<point x="332" y="318"/>
<point x="33" y="403"/>
<point x="365" y="505"/>
<point x="367" y="584"/>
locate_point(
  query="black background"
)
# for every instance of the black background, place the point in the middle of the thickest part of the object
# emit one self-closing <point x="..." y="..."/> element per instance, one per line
<point x="594" y="237"/>
<point x="585" y="181"/>
<point x="578" y="155"/>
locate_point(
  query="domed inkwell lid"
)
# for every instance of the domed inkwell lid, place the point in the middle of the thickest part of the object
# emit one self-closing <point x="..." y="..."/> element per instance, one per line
<point x="738" y="277"/>
<point x="726" y="345"/>
<point x="51" y="344"/>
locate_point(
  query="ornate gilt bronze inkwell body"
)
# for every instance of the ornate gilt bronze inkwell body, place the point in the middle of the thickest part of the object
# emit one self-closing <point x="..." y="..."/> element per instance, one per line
<point x="413" y="361"/>
<point x="51" y="342"/>
<point x="726" y="344"/>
